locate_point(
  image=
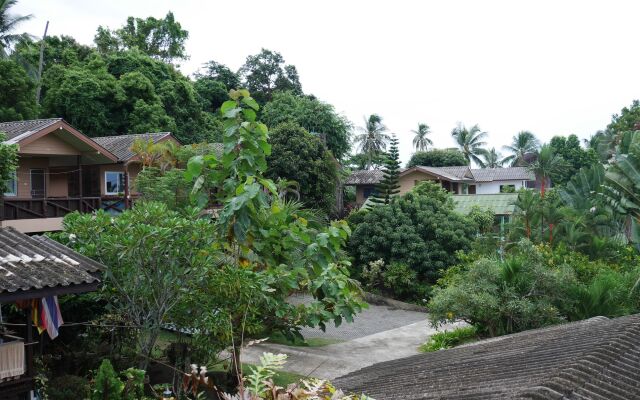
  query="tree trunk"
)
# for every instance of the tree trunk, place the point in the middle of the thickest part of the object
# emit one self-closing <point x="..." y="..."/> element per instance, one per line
<point x="41" y="64"/>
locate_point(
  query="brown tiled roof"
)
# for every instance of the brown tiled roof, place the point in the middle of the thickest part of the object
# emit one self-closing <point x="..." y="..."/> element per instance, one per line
<point x="121" y="145"/>
<point x="597" y="358"/>
<point x="503" y="174"/>
<point x="31" y="263"/>
<point x="454" y="174"/>
<point x="25" y="128"/>
<point x="364" y="177"/>
<point x="459" y="173"/>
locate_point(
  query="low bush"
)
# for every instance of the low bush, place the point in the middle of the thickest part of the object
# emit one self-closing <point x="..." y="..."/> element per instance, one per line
<point x="532" y="287"/>
<point x="67" y="387"/>
<point x="449" y="339"/>
<point x="394" y="280"/>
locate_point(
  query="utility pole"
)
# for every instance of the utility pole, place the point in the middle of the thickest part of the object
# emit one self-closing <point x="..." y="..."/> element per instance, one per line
<point x="40" y="64"/>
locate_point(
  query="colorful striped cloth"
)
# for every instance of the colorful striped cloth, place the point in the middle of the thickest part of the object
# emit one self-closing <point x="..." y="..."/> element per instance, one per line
<point x="46" y="315"/>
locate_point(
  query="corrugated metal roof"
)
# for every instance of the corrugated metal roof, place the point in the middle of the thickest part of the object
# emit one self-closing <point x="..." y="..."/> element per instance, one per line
<point x="37" y="262"/>
<point x="597" y="358"/>
<point x="364" y="177"/>
<point x="502" y="174"/>
<point x="25" y="128"/>
<point x="121" y="145"/>
<point x="499" y="203"/>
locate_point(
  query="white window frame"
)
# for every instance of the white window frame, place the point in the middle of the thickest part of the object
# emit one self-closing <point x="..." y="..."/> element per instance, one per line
<point x="106" y="191"/>
<point x="14" y="186"/>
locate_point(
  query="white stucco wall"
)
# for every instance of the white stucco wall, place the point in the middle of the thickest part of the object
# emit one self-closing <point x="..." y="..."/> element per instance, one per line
<point x="494" y="187"/>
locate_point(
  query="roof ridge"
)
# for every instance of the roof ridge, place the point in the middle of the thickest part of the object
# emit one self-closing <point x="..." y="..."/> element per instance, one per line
<point x="32" y="120"/>
<point x="131" y="134"/>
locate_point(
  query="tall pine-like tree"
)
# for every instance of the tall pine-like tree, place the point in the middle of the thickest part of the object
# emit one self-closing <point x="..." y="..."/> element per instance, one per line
<point x="390" y="185"/>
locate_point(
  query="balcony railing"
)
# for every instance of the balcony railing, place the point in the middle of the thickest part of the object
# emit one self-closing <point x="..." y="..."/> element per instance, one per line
<point x="51" y="207"/>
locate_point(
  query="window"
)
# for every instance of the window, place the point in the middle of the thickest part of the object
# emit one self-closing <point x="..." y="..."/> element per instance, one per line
<point x="114" y="182"/>
<point x="472" y="189"/>
<point x="368" y="191"/>
<point x="12" y="186"/>
<point x="507" y="188"/>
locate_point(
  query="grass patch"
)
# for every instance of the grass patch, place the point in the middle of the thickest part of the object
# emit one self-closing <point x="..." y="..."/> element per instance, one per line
<point x="449" y="339"/>
<point x="279" y="338"/>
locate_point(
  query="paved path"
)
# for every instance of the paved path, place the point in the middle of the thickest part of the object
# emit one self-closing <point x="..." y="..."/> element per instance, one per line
<point x="377" y="334"/>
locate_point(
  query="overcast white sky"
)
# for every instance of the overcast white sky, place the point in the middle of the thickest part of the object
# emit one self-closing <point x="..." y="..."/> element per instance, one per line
<point x="551" y="67"/>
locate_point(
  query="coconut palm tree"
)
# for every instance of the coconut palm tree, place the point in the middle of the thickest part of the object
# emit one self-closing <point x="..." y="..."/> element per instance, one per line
<point x="522" y="144"/>
<point x="546" y="164"/>
<point x="420" y="141"/>
<point x="8" y="24"/>
<point x="491" y="159"/>
<point x="470" y="141"/>
<point x="373" y="137"/>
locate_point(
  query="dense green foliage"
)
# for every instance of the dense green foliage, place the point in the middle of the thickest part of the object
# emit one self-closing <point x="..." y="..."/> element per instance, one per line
<point x="418" y="229"/>
<point x="389" y="186"/>
<point x="297" y="155"/>
<point x="17" y="93"/>
<point x="159" y="38"/>
<point x="270" y="247"/>
<point x="265" y="73"/>
<point x="8" y="162"/>
<point x="144" y="289"/>
<point x="533" y="286"/>
<point x="68" y="387"/>
<point x="108" y="386"/>
<point x="315" y="116"/>
<point x="437" y="158"/>
<point x="575" y="157"/>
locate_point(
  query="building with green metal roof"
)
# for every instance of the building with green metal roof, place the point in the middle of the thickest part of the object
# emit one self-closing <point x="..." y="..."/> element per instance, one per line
<point x="499" y="203"/>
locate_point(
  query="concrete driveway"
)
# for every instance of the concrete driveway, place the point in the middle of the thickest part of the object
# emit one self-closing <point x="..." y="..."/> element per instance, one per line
<point x="379" y="333"/>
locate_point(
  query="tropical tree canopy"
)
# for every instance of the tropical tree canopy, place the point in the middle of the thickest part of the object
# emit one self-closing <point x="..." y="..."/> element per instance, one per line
<point x="163" y="39"/>
<point x="547" y="164"/>
<point x="522" y="144"/>
<point x="438" y="158"/>
<point x="266" y="72"/>
<point x="470" y="141"/>
<point x="8" y="25"/>
<point x="315" y="116"/>
<point x="297" y="155"/>
<point x="491" y="159"/>
<point x="373" y="137"/>
<point x="421" y="140"/>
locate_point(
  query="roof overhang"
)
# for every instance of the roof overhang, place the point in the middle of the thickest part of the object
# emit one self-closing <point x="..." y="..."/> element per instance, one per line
<point x="9" y="297"/>
<point x="92" y="150"/>
<point x="435" y="174"/>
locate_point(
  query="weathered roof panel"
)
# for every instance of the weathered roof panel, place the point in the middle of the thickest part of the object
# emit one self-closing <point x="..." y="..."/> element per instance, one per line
<point x="502" y="174"/>
<point x="29" y="263"/>
<point x="25" y="128"/>
<point x="364" y="177"/>
<point x="597" y="358"/>
<point x="121" y="145"/>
